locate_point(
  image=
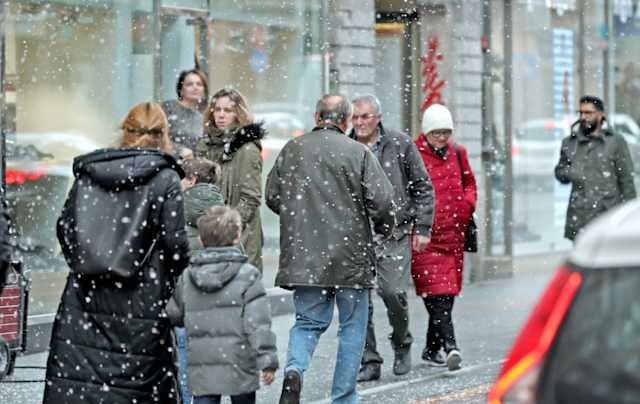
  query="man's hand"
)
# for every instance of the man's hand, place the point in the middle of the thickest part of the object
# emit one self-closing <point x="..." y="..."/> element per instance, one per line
<point x="420" y="242"/>
<point x="267" y="376"/>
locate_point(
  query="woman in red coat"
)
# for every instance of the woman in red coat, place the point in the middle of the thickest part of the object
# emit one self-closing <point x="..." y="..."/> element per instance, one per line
<point x="437" y="271"/>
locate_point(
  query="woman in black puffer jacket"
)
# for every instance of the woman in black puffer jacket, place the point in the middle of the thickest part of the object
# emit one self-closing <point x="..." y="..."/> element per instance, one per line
<point x="122" y="232"/>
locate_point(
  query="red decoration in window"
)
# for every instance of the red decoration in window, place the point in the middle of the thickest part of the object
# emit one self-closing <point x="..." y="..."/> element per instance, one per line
<point x="432" y="84"/>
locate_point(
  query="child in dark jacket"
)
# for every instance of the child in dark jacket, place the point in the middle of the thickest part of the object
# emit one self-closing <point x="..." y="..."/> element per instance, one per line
<point x="200" y="193"/>
<point x="221" y="302"/>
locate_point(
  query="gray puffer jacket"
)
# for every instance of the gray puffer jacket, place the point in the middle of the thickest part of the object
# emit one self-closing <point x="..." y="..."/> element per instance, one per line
<point x="223" y="305"/>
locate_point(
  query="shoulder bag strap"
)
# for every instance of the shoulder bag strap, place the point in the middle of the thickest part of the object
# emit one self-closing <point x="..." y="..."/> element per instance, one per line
<point x="455" y="150"/>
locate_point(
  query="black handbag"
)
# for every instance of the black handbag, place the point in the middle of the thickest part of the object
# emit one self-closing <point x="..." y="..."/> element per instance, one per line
<point x="471" y="234"/>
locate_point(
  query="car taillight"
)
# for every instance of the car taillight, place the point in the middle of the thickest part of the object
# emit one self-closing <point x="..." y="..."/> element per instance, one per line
<point x="518" y="378"/>
<point x="18" y="177"/>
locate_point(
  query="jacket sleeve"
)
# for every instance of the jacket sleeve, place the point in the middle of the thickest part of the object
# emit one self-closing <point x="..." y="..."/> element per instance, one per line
<point x="563" y="168"/>
<point x="378" y="195"/>
<point x="175" y="307"/>
<point x="251" y="181"/>
<point x="420" y="189"/>
<point x="469" y="180"/>
<point x="172" y="222"/>
<point x="625" y="173"/>
<point x="273" y="189"/>
<point x="256" y="318"/>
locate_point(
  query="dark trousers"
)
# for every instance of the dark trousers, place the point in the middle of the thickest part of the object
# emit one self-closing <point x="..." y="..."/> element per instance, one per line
<point x="393" y="267"/>
<point x="249" y="398"/>
<point x="440" y="334"/>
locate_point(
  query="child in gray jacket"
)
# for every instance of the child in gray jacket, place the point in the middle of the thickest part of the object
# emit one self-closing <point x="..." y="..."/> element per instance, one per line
<point x="221" y="301"/>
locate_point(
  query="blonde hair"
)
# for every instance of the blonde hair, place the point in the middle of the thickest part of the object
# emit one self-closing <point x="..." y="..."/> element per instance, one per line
<point x="243" y="115"/>
<point x="146" y="126"/>
<point x="219" y="226"/>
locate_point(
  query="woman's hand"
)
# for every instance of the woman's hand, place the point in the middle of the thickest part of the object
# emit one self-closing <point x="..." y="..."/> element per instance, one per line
<point x="420" y="242"/>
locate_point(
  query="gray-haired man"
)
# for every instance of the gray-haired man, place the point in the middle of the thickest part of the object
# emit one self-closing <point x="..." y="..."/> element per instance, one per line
<point x="413" y="194"/>
<point x="326" y="189"/>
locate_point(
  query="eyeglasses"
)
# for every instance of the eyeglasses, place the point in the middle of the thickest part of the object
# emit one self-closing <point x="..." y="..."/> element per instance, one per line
<point x="580" y="112"/>
<point x="364" y="117"/>
<point x="443" y="134"/>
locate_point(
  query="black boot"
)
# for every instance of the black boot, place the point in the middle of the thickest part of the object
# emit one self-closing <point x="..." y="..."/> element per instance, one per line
<point x="434" y="359"/>
<point x="291" y="388"/>
<point x="369" y="372"/>
<point x="402" y="361"/>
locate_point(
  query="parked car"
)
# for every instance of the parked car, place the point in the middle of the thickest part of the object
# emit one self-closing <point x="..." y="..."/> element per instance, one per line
<point x="626" y="126"/>
<point x="38" y="177"/>
<point x="581" y="343"/>
<point x="536" y="149"/>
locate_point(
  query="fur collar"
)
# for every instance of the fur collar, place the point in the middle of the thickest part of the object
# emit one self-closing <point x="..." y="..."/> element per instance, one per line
<point x="253" y="132"/>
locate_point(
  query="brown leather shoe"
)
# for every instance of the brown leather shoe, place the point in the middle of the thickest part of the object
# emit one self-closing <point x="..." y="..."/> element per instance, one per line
<point x="291" y="388"/>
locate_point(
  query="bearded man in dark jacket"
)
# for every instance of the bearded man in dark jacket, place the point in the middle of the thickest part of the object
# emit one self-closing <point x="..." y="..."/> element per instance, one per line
<point x="122" y="232"/>
<point x="326" y="189"/>
<point x="596" y="161"/>
<point x="413" y="194"/>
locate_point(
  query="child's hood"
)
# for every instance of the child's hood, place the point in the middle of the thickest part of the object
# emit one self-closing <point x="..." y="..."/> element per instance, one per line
<point x="198" y="199"/>
<point x="213" y="268"/>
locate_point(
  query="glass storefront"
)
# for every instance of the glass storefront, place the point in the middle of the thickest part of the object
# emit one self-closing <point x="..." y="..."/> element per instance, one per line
<point x="560" y="52"/>
<point x="73" y="69"/>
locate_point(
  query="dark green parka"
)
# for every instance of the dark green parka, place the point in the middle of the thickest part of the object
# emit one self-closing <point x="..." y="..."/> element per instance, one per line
<point x="600" y="171"/>
<point x="239" y="154"/>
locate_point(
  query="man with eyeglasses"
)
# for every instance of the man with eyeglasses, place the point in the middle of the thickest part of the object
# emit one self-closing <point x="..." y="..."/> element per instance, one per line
<point x="596" y="162"/>
<point x="414" y="200"/>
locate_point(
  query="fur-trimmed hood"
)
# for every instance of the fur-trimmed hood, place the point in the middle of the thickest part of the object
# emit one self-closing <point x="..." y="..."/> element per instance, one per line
<point x="237" y="137"/>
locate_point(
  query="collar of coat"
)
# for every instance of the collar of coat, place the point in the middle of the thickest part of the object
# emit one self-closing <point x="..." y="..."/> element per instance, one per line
<point x="235" y="138"/>
<point x="424" y="145"/>
<point x="581" y="137"/>
<point x="328" y="126"/>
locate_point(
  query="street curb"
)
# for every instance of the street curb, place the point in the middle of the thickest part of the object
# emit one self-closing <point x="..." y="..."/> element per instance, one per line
<point x="39" y="326"/>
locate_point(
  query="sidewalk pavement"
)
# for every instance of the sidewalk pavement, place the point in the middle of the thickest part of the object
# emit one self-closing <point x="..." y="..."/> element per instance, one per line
<point x="487" y="316"/>
<point x="280" y="299"/>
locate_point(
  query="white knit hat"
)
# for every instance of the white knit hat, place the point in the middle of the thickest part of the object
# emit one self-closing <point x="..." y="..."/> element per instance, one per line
<point x="436" y="117"/>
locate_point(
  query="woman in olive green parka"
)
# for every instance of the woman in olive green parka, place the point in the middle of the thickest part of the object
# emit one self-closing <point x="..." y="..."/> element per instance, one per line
<point x="234" y="141"/>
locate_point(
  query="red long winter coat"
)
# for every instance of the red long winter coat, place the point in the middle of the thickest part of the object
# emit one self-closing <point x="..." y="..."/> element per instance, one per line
<point x="438" y="269"/>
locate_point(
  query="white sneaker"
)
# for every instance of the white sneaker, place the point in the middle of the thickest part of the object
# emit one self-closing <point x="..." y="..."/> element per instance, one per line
<point x="454" y="359"/>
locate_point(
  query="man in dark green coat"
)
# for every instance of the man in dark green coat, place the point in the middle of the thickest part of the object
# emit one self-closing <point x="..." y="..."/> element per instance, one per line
<point x="596" y="162"/>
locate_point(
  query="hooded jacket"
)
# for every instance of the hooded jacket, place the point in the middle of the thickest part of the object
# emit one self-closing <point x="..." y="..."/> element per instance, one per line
<point x="413" y="193"/>
<point x="111" y="341"/>
<point x="600" y="171"/>
<point x="197" y="200"/>
<point x="238" y="153"/>
<point x="329" y="190"/>
<point x="223" y="305"/>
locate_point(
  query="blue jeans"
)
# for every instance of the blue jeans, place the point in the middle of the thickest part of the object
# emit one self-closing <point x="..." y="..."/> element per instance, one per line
<point x="314" y="311"/>
<point x="181" y="334"/>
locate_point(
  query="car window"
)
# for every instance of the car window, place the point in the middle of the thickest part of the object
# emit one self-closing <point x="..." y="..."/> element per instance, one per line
<point x="595" y="358"/>
<point x="541" y="134"/>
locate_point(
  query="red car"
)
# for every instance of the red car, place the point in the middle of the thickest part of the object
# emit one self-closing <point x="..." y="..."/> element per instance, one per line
<point x="581" y="343"/>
